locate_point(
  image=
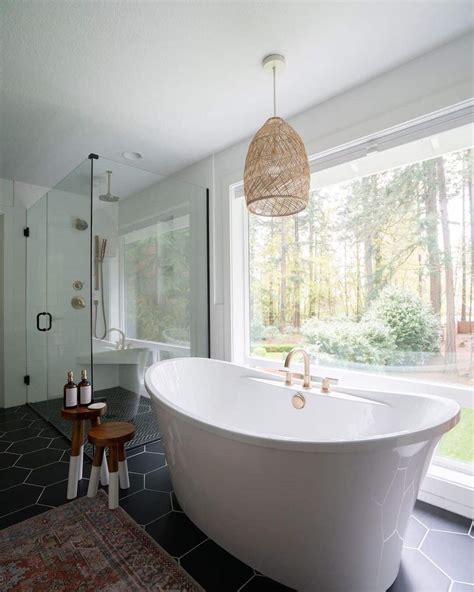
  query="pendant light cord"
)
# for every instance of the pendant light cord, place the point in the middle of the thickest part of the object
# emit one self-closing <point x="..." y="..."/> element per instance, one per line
<point x="274" y="92"/>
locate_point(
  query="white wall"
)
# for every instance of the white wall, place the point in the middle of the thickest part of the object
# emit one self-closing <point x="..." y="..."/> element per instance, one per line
<point x="435" y="81"/>
<point x="13" y="263"/>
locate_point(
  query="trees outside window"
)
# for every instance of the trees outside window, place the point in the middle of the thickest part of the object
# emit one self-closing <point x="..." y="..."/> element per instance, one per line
<point x="376" y="273"/>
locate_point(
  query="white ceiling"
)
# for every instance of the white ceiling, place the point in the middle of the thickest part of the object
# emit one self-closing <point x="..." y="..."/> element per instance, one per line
<point x="180" y="80"/>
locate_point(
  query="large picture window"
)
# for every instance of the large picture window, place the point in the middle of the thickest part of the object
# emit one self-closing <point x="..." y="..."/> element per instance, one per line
<point x="376" y="275"/>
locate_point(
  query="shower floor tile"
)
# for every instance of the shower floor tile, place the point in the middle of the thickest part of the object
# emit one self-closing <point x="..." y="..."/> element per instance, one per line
<point x="436" y="557"/>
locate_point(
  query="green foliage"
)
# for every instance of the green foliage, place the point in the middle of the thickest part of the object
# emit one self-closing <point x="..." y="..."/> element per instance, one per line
<point x="458" y="443"/>
<point x="280" y="347"/>
<point x="368" y="342"/>
<point x="270" y="333"/>
<point x="259" y="351"/>
<point x="396" y="325"/>
<point x="413" y="325"/>
<point x="256" y="330"/>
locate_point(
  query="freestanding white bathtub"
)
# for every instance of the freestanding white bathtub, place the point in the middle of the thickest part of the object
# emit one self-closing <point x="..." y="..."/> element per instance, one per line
<point x="317" y="498"/>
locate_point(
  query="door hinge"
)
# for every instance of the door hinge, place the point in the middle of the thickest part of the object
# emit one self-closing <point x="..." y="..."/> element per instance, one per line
<point x="26" y="379"/>
<point x="26" y="231"/>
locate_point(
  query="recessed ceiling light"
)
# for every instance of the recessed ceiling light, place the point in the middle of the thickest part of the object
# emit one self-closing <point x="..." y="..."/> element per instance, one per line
<point x="132" y="155"/>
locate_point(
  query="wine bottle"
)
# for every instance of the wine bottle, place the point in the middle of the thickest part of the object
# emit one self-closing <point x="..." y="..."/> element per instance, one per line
<point x="70" y="392"/>
<point x="85" y="390"/>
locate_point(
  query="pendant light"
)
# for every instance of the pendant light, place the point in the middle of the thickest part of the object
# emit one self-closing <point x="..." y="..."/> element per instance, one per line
<point x="276" y="176"/>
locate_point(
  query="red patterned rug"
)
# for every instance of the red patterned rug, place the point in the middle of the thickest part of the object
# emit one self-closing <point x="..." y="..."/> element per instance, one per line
<point x="85" y="546"/>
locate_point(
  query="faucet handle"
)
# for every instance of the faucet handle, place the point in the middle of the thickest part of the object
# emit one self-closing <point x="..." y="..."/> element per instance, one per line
<point x="326" y="384"/>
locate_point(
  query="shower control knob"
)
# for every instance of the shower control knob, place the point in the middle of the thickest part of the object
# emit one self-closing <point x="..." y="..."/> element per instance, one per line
<point x="78" y="302"/>
<point x="77" y="284"/>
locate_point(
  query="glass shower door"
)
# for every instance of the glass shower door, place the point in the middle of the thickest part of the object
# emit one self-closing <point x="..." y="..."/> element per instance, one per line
<point x="58" y="290"/>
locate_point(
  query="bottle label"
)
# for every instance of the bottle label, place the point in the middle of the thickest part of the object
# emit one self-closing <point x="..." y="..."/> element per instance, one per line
<point x="71" y="397"/>
<point x="85" y="395"/>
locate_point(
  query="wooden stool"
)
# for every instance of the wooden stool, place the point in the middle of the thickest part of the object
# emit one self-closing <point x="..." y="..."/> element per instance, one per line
<point x="78" y="416"/>
<point x="111" y="435"/>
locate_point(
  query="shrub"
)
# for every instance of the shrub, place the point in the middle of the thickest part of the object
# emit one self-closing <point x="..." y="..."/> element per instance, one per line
<point x="368" y="342"/>
<point x="280" y="348"/>
<point x="256" y="330"/>
<point x="259" y="351"/>
<point x="270" y="333"/>
<point x="415" y="328"/>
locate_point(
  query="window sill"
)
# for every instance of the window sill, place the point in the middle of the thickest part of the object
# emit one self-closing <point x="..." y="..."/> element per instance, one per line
<point x="449" y="489"/>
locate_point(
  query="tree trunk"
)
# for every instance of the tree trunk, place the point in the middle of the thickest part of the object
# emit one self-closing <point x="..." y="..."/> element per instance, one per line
<point x="463" y="253"/>
<point x="471" y="219"/>
<point x="297" y="276"/>
<point x="369" y="269"/>
<point x="271" y="304"/>
<point x="282" y="319"/>
<point x="431" y="225"/>
<point x="450" y="344"/>
<point x="312" y="274"/>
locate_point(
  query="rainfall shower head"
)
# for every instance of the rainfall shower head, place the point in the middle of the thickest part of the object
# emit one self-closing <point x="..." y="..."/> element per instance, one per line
<point x="108" y="196"/>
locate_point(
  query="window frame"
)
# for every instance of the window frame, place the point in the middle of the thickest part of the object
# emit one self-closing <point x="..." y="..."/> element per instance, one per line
<point x="449" y="483"/>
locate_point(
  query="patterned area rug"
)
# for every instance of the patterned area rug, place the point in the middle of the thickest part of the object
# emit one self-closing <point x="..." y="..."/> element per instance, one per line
<point x="84" y="546"/>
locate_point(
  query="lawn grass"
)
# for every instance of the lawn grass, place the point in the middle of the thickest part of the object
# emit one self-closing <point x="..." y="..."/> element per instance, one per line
<point x="459" y="442"/>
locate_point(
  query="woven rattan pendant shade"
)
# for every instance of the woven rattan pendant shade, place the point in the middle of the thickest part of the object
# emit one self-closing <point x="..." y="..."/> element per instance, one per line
<point x="276" y="177"/>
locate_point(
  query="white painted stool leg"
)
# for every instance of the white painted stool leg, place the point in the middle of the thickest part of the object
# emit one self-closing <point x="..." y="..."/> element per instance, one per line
<point x="81" y="463"/>
<point x="113" y="490"/>
<point x="93" y="482"/>
<point x="72" y="477"/>
<point x="104" y="472"/>
<point x="123" y="474"/>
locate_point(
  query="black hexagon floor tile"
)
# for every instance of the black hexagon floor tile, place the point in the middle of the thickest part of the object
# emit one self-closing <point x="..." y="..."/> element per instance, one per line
<point x="262" y="584"/>
<point x="159" y="480"/>
<point x="18" y="497"/>
<point x="215" y="569"/>
<point x="29" y="445"/>
<point x="21" y="434"/>
<point x="418" y="574"/>
<point x="12" y="476"/>
<point x="146" y="506"/>
<point x="49" y="474"/>
<point x="146" y="462"/>
<point x="7" y="459"/>
<point x="135" y="451"/>
<point x="175" y="503"/>
<point x="439" y="519"/>
<point x="176" y="533"/>
<point x="21" y="515"/>
<point x="137" y="483"/>
<point x="15" y="424"/>
<point x="55" y="495"/>
<point x="414" y="534"/>
<point x="4" y="445"/>
<point x="49" y="432"/>
<point x="39" y="458"/>
<point x="156" y="447"/>
<point x="61" y="443"/>
<point x="453" y="553"/>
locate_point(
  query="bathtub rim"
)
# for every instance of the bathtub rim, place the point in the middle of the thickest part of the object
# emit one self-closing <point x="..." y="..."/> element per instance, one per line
<point x="374" y="444"/>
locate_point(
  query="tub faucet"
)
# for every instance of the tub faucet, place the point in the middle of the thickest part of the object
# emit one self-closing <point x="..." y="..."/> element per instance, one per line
<point x="289" y="373"/>
<point x="121" y="341"/>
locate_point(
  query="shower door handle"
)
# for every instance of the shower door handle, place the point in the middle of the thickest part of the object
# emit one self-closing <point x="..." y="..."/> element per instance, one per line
<point x="50" y="321"/>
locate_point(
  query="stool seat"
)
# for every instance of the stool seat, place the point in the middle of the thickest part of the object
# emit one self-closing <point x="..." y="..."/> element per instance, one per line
<point x="78" y="413"/>
<point x="110" y="433"/>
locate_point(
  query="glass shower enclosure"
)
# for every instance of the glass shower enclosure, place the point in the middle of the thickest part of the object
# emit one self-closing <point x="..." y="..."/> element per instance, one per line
<point x="117" y="278"/>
